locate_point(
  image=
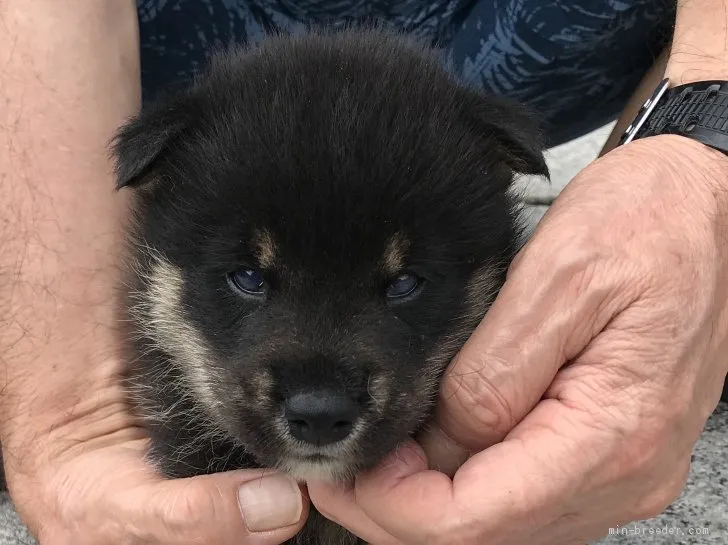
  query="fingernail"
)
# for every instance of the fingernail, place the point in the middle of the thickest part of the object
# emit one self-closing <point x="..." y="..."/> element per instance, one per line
<point x="270" y="503"/>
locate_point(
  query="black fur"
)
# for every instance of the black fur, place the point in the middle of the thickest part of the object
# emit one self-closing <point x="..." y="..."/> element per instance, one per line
<point x="324" y="148"/>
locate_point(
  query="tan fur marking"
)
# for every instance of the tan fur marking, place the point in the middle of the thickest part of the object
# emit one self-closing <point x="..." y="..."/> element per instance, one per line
<point x="262" y="384"/>
<point x="480" y="294"/>
<point x="265" y="248"/>
<point x="379" y="390"/>
<point x="159" y="310"/>
<point x="482" y="290"/>
<point x="394" y="254"/>
<point x="261" y="381"/>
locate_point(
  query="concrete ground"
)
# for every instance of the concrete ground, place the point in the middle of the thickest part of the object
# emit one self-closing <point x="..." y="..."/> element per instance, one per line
<point x="698" y="517"/>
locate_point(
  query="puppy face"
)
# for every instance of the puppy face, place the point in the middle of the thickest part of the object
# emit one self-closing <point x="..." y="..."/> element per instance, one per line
<point x="320" y="223"/>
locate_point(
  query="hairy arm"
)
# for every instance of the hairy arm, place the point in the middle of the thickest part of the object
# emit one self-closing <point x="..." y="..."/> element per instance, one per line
<point x="699" y="52"/>
<point x="68" y="77"/>
<point x="700" y="43"/>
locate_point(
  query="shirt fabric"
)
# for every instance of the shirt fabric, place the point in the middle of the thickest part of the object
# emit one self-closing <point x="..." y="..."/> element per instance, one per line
<point x="575" y="62"/>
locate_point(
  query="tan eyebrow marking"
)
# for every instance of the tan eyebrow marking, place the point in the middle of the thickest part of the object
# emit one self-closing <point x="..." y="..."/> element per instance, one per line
<point x="265" y="248"/>
<point x="395" y="253"/>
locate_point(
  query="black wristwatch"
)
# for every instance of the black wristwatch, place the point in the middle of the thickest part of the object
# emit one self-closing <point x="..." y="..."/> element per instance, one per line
<point x="695" y="110"/>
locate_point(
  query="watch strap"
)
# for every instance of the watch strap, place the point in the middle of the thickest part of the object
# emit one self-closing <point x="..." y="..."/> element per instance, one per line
<point x="695" y="110"/>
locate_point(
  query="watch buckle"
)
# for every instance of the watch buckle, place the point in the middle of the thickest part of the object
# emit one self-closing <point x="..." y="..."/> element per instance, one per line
<point x="644" y="112"/>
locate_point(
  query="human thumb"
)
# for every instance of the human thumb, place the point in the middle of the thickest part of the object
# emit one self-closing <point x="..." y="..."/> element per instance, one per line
<point x="250" y="507"/>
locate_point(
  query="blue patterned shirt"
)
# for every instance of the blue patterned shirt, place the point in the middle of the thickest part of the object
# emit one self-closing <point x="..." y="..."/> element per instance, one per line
<point x="575" y="61"/>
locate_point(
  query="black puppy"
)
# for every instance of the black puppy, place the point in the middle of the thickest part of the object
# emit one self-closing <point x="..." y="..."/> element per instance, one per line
<point x="319" y="225"/>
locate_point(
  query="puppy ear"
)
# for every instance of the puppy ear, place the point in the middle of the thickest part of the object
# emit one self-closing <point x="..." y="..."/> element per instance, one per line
<point x="514" y="128"/>
<point x="144" y="139"/>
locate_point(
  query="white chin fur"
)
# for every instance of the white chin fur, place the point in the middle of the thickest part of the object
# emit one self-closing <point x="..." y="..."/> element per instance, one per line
<point x="319" y="470"/>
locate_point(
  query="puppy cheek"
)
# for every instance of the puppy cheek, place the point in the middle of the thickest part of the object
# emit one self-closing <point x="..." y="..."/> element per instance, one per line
<point x="412" y="399"/>
<point x="161" y="318"/>
<point x="379" y="392"/>
<point x="259" y="389"/>
<point x="481" y="290"/>
<point x="444" y="350"/>
<point x="255" y="400"/>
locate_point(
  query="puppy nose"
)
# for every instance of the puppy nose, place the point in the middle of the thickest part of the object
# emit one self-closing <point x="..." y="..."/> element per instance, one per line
<point x="320" y="417"/>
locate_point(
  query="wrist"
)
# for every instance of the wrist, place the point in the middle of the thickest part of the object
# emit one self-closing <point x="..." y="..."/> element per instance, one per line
<point x="36" y="438"/>
<point x="59" y="341"/>
<point x="689" y="159"/>
<point x="684" y="165"/>
<point x="699" y="50"/>
<point x="682" y="72"/>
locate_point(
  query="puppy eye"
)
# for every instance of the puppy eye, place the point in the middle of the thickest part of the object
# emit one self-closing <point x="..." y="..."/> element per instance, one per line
<point x="404" y="285"/>
<point x="248" y="281"/>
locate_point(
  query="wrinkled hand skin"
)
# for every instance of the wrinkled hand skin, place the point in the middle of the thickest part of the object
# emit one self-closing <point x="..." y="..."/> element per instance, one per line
<point x="86" y="481"/>
<point x="616" y="313"/>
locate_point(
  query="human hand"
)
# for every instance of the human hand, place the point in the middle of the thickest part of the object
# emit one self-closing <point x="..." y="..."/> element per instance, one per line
<point x="85" y="481"/>
<point x="585" y="388"/>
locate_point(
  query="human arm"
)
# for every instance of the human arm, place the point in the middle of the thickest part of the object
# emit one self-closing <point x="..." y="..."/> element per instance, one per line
<point x="73" y="456"/>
